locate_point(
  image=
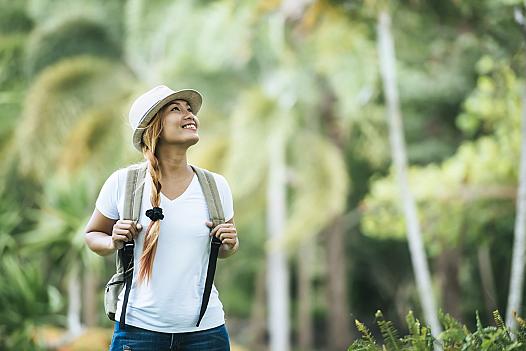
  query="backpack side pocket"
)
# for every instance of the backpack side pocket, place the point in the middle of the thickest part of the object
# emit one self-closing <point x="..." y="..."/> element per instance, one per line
<point x="111" y="294"/>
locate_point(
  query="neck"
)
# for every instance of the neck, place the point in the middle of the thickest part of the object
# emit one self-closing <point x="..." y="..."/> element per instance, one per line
<point x="172" y="161"/>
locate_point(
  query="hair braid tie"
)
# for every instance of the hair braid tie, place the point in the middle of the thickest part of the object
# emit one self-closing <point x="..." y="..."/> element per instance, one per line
<point x="155" y="214"/>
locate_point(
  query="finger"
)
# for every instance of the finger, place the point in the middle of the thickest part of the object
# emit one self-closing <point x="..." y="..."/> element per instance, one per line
<point x="210" y="224"/>
<point x="222" y="226"/>
<point x="219" y="231"/>
<point x="123" y="232"/>
<point x="215" y="230"/>
<point x="229" y="242"/>
<point x="123" y="226"/>
<point x="117" y="237"/>
<point x="226" y="236"/>
<point x="226" y="230"/>
<point x="124" y="221"/>
<point x="135" y="229"/>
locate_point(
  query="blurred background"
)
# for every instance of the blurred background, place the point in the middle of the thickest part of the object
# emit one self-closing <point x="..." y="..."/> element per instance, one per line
<point x="301" y="97"/>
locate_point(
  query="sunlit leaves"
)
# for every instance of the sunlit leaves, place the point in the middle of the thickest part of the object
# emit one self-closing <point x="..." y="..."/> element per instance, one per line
<point x="57" y="101"/>
<point x="482" y="172"/>
<point x="319" y="186"/>
<point x="347" y="58"/>
<point x="73" y="37"/>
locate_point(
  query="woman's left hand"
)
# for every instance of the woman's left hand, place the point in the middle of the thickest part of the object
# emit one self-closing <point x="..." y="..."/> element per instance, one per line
<point x="226" y="232"/>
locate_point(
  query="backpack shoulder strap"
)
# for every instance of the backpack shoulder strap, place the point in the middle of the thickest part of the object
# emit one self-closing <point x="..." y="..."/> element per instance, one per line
<point x="132" y="200"/>
<point x="135" y="177"/>
<point x="133" y="192"/>
<point x="213" y="200"/>
<point x="215" y="209"/>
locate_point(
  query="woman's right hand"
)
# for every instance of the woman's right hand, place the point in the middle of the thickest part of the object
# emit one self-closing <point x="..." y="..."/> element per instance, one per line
<point x="124" y="231"/>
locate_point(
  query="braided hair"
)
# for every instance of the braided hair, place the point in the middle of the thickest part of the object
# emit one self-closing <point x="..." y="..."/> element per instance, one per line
<point x="150" y="139"/>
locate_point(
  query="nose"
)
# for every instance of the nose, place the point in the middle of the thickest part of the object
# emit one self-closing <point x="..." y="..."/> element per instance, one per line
<point x="188" y="114"/>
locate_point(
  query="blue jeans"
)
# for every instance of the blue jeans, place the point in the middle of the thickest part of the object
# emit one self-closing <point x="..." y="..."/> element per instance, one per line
<point x="137" y="339"/>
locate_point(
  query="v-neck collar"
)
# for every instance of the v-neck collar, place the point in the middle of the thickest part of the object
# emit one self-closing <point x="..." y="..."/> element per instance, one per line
<point x="183" y="194"/>
<point x="194" y="177"/>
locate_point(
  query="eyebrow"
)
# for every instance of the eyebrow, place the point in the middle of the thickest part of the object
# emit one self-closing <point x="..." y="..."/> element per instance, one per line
<point x="178" y="104"/>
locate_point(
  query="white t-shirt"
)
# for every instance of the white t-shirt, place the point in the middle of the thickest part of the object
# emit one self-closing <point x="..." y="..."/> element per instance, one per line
<point x="171" y="300"/>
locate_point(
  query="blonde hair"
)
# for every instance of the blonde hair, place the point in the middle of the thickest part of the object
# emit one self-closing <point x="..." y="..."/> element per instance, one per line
<point x="149" y="144"/>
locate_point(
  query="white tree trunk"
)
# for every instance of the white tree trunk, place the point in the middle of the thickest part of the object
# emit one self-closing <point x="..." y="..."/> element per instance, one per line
<point x="519" y="245"/>
<point x="277" y="270"/>
<point x="74" y="300"/>
<point x="305" y="273"/>
<point x="396" y="135"/>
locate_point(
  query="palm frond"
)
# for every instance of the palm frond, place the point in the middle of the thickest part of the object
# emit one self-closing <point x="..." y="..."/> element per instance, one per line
<point x="247" y="156"/>
<point x="319" y="186"/>
<point x="74" y="37"/>
<point x="57" y="101"/>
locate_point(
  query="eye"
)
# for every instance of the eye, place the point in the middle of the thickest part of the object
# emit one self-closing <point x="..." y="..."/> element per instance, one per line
<point x="189" y="110"/>
<point x="175" y="108"/>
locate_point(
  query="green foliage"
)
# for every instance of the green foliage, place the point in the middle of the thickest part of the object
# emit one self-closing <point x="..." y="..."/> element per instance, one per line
<point x="74" y="37"/>
<point x="26" y="301"/>
<point x="63" y="130"/>
<point x="67" y="93"/>
<point x="14" y="18"/>
<point x="455" y="337"/>
<point x="366" y="334"/>
<point x="389" y="332"/>
<point x="481" y="173"/>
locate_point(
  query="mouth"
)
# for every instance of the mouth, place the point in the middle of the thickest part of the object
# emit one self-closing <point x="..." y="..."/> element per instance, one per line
<point x="190" y="125"/>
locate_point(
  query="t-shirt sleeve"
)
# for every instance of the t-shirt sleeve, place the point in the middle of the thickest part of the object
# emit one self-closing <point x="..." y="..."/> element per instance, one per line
<point x="226" y="196"/>
<point x="108" y="197"/>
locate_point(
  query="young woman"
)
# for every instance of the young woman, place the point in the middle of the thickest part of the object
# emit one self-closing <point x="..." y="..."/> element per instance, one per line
<point x="171" y="251"/>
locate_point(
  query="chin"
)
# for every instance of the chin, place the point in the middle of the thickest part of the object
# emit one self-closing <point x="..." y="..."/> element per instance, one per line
<point x="192" y="141"/>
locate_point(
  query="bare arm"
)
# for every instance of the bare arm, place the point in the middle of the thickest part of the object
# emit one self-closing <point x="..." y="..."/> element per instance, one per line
<point x="105" y="235"/>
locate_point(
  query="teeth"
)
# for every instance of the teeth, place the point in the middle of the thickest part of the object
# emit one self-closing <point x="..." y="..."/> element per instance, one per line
<point x="189" y="126"/>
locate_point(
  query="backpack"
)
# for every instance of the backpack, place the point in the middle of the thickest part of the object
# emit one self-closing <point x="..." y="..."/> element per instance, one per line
<point x="122" y="278"/>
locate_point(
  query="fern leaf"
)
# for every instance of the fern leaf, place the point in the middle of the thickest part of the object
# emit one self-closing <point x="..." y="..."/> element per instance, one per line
<point x="521" y="330"/>
<point x="500" y="323"/>
<point x="389" y="333"/>
<point x="448" y="321"/>
<point x="479" y="323"/>
<point x="362" y="345"/>
<point x="366" y="334"/>
<point x="412" y="324"/>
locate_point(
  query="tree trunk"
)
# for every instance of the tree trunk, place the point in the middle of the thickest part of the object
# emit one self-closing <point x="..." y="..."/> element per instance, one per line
<point x="519" y="244"/>
<point x="339" y="321"/>
<point x="89" y="305"/>
<point x="339" y="337"/>
<point x="277" y="270"/>
<point x="74" y="301"/>
<point x="396" y="136"/>
<point x="448" y="264"/>
<point x="486" y="276"/>
<point x="305" y="272"/>
<point x="257" y="314"/>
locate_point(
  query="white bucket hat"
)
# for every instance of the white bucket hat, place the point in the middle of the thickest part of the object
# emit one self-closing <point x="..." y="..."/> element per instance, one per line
<point x="148" y="104"/>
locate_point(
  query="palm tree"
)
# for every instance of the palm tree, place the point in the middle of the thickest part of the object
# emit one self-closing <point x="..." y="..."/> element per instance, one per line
<point x="418" y="257"/>
<point x="63" y="146"/>
<point x="84" y="94"/>
<point x="519" y="245"/>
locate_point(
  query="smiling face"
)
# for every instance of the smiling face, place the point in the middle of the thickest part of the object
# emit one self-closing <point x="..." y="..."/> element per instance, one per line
<point x="179" y="124"/>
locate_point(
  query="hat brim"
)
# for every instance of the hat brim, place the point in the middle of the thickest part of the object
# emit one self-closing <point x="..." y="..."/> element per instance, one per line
<point x="192" y="97"/>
